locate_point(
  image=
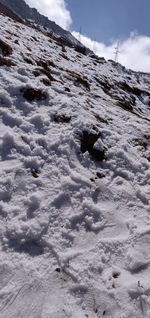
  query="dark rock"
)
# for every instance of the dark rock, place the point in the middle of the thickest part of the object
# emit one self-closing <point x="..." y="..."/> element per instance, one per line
<point x="5" y="48"/>
<point x="28" y="60"/>
<point x="45" y="63"/>
<point x="46" y="81"/>
<point x="67" y="89"/>
<point x="116" y="275"/>
<point x="31" y="94"/>
<point x="83" y="82"/>
<point x="88" y="140"/>
<point x="34" y="173"/>
<point x="100" y="175"/>
<point x="61" y="118"/>
<point x="126" y="105"/>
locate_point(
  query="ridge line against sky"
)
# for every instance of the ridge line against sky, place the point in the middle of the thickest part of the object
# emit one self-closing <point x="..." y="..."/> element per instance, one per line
<point x="134" y="50"/>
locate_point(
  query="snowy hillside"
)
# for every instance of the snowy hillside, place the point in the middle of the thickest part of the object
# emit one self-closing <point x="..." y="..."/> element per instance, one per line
<point x="74" y="182"/>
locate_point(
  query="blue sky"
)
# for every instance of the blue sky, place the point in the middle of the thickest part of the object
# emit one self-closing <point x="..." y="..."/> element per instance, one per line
<point x="106" y="20"/>
<point x="104" y="24"/>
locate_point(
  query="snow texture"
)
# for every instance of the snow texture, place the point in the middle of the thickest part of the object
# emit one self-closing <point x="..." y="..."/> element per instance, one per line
<point x="74" y="182"/>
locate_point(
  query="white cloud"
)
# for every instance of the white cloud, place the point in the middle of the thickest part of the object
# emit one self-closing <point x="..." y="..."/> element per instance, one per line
<point x="134" y="52"/>
<point x="55" y="10"/>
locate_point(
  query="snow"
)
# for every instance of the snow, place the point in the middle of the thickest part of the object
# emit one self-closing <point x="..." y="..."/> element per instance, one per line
<point x="74" y="220"/>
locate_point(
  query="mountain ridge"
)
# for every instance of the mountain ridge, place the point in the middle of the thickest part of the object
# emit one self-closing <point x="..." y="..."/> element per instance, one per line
<point x="6" y="11"/>
<point x="22" y="9"/>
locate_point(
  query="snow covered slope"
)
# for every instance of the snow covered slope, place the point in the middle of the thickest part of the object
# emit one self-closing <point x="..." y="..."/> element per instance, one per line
<point x="74" y="182"/>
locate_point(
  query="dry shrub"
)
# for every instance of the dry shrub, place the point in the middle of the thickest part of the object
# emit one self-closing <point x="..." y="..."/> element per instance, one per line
<point x="6" y="62"/>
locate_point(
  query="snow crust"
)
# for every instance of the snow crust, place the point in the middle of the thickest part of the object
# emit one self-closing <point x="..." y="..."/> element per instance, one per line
<point x="74" y="229"/>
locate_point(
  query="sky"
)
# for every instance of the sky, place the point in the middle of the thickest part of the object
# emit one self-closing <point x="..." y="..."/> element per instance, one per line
<point x="106" y="20"/>
<point x="104" y="25"/>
